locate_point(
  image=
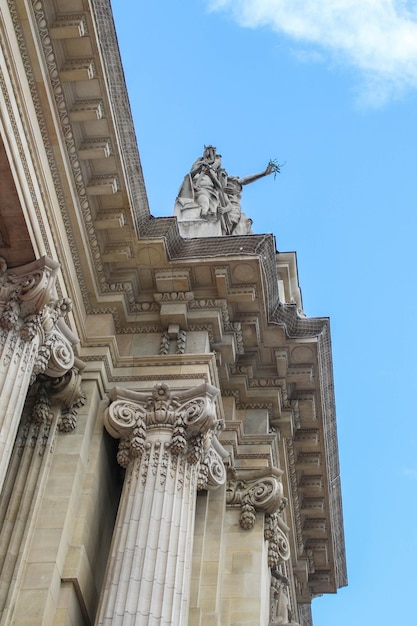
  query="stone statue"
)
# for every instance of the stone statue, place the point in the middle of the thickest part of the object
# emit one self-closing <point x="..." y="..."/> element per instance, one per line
<point x="281" y="614"/>
<point x="208" y="201"/>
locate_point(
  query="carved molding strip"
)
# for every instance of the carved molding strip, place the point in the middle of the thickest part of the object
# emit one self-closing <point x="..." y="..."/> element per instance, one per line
<point x="293" y="482"/>
<point x="181" y="337"/>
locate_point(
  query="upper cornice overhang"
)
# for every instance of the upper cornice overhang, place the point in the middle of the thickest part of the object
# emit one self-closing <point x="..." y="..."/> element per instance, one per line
<point x="98" y="213"/>
<point x="91" y="211"/>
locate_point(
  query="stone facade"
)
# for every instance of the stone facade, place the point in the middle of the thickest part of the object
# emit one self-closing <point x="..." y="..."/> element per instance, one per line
<point x="168" y="445"/>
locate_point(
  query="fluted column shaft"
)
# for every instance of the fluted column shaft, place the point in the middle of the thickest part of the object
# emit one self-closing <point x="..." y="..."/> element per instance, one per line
<point x="148" y="575"/>
<point x="33" y="340"/>
<point x="17" y="358"/>
<point x="53" y="406"/>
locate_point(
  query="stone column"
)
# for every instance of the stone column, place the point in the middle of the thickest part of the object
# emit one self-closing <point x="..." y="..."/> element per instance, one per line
<point x="167" y="449"/>
<point x="33" y="340"/>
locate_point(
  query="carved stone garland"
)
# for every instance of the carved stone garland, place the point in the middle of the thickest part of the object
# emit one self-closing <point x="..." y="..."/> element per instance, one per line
<point x="276" y="533"/>
<point x="34" y="339"/>
<point x="166" y="447"/>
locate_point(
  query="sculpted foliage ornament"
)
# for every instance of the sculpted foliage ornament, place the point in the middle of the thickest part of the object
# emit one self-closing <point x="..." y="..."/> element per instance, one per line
<point x="28" y="308"/>
<point x="65" y="392"/>
<point x="189" y="417"/>
<point x="276" y="533"/>
<point x="259" y="490"/>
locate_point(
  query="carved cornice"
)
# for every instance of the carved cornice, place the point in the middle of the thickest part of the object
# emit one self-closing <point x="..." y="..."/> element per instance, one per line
<point x="234" y="393"/>
<point x="15" y="127"/>
<point x="61" y="106"/>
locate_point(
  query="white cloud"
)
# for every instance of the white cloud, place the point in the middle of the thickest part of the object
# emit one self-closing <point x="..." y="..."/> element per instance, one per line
<point x="378" y="37"/>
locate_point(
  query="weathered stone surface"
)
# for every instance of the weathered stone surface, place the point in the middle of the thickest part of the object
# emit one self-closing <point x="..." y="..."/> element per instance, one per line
<point x="171" y="303"/>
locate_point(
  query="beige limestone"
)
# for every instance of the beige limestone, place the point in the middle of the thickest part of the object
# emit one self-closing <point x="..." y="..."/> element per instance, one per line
<point x="151" y="307"/>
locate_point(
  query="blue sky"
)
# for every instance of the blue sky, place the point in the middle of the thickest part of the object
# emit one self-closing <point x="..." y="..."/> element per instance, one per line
<point x="329" y="89"/>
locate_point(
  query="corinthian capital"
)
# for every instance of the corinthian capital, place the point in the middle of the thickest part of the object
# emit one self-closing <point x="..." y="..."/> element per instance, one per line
<point x="25" y="290"/>
<point x="29" y="307"/>
<point x="189" y="417"/>
<point x="259" y="490"/>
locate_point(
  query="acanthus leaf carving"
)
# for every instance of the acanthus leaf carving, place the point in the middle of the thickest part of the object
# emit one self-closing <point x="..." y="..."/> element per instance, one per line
<point x="166" y="342"/>
<point x="29" y="307"/>
<point x="189" y="418"/>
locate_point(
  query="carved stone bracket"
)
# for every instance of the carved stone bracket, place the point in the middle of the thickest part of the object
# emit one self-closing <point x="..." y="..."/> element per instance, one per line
<point x="259" y="490"/>
<point x="174" y="307"/>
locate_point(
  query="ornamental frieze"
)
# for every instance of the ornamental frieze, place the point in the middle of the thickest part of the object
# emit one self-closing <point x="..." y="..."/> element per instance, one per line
<point x="174" y="296"/>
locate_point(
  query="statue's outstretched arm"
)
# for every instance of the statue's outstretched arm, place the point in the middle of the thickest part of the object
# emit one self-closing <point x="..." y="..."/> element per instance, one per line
<point x="271" y="168"/>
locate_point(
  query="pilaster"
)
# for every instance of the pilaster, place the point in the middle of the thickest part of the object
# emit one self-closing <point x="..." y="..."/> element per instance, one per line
<point x="51" y="406"/>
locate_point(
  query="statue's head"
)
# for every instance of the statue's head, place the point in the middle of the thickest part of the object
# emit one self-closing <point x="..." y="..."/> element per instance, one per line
<point x="209" y="153"/>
